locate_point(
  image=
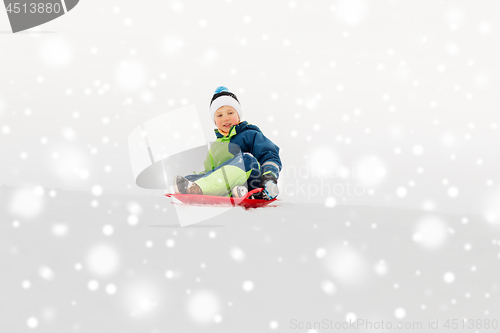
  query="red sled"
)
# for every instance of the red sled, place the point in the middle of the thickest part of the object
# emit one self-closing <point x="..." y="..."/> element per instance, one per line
<point x="216" y="201"/>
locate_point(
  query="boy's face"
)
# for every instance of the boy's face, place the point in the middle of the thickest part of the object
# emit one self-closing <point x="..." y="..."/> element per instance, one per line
<point x="225" y="117"/>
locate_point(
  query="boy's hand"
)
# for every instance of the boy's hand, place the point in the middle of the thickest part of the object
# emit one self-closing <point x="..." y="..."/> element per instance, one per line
<point x="270" y="185"/>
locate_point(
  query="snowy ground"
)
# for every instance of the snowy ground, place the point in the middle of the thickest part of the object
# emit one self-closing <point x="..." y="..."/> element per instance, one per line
<point x="126" y="265"/>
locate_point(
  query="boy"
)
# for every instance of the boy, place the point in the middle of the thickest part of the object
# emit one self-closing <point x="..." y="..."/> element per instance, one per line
<point x="241" y="159"/>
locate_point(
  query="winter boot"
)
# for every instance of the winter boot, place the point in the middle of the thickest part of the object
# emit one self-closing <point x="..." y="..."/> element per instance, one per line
<point x="184" y="186"/>
<point x="193" y="188"/>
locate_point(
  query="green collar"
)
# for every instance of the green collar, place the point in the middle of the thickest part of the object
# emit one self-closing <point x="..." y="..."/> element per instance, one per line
<point x="232" y="132"/>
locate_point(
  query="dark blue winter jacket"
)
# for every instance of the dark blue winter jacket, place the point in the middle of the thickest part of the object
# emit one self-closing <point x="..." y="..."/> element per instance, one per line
<point x="246" y="138"/>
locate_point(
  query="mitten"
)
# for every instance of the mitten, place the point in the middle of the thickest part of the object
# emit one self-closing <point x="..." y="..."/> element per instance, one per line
<point x="269" y="184"/>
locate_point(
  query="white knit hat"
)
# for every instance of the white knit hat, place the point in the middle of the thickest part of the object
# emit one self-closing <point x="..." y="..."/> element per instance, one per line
<point x="223" y="96"/>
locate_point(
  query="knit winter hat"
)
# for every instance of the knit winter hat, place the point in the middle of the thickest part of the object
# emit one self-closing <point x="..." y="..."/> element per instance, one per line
<point x="223" y="96"/>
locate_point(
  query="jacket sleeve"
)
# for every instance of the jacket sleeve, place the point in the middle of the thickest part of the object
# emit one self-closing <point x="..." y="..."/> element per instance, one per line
<point x="267" y="153"/>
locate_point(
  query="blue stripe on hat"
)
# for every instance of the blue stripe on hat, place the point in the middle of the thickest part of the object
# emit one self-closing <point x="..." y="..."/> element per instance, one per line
<point x="220" y="89"/>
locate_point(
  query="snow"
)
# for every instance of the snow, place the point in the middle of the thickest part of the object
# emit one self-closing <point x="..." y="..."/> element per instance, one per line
<point x="328" y="287"/>
<point x="27" y="202"/>
<point x="237" y="254"/>
<point x="142" y="298"/>
<point x="321" y="252"/>
<point x="453" y="192"/>
<point x="46" y="273"/>
<point x="449" y="277"/>
<point x="108" y="230"/>
<point x="248" y="286"/>
<point x="97" y="190"/>
<point x="56" y="52"/>
<point x="418" y="150"/>
<point x="60" y="230"/>
<point x="203" y="307"/>
<point x="111" y="289"/>
<point x="133" y="220"/>
<point x="330" y="202"/>
<point x="122" y="282"/>
<point x="381" y="268"/>
<point x="93" y="285"/>
<point x="102" y="260"/>
<point x="400" y="313"/>
<point x="131" y="75"/>
<point x="346" y="265"/>
<point x="401" y="192"/>
<point x="177" y="6"/>
<point x="430" y="232"/>
<point x="350" y="317"/>
<point x="32" y="322"/>
<point x="370" y="170"/>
